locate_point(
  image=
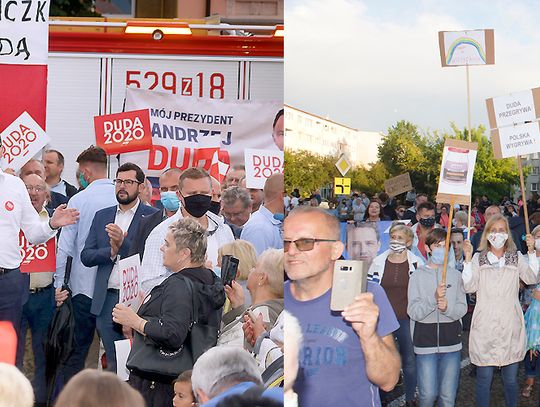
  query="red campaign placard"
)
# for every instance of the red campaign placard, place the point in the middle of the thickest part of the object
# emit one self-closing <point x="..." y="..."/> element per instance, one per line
<point x="124" y="132"/>
<point x="37" y="258"/>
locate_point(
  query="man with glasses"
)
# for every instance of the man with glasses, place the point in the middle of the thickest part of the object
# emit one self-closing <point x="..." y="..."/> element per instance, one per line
<point x="38" y="310"/>
<point x="108" y="241"/>
<point x="195" y="194"/>
<point x="98" y="193"/>
<point x="346" y="356"/>
<point x="168" y="187"/>
<point x="236" y="208"/>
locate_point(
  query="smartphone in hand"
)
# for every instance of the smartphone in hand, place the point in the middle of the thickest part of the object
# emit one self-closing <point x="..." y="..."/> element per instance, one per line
<point x="350" y="279"/>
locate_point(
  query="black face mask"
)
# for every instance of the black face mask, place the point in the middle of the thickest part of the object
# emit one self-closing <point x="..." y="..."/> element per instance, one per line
<point x="215" y="207"/>
<point x="427" y="222"/>
<point x="197" y="205"/>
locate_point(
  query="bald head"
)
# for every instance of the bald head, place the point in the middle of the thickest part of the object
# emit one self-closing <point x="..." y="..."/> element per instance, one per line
<point x="32" y="167"/>
<point x="274" y="187"/>
<point x="331" y="223"/>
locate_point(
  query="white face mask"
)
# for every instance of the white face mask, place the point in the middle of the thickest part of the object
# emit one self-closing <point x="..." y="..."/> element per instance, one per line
<point x="397" y="246"/>
<point x="537" y="244"/>
<point x="497" y="240"/>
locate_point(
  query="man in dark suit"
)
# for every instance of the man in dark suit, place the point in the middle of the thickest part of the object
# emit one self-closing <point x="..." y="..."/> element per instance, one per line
<point x="168" y="186"/>
<point x="108" y="241"/>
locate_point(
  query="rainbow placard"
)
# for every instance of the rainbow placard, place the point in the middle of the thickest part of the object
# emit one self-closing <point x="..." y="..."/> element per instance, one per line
<point x="461" y="48"/>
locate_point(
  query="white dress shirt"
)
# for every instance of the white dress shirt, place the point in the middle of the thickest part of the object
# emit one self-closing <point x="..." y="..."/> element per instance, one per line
<point x="16" y="213"/>
<point x="123" y="220"/>
<point x="153" y="272"/>
<point x="98" y="195"/>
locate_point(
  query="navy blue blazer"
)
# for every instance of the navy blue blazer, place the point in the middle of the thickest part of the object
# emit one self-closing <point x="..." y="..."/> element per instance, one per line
<point x="97" y="249"/>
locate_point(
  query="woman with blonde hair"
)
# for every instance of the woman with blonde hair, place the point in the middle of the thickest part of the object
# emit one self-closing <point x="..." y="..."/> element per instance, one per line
<point x="392" y="270"/>
<point x="245" y="252"/>
<point x="265" y="284"/>
<point x="497" y="337"/>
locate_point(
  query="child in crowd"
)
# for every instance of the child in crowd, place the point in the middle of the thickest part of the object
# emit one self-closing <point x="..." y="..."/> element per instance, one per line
<point x="435" y="308"/>
<point x="183" y="392"/>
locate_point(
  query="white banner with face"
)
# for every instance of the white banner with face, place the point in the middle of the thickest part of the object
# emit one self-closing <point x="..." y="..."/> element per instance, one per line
<point x="24" y="32"/>
<point x="187" y="133"/>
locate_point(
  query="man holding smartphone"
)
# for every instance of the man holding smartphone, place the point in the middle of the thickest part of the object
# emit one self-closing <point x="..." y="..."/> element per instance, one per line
<point x="346" y="355"/>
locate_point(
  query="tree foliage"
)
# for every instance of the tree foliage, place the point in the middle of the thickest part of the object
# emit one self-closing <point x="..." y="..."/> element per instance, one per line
<point x="403" y="150"/>
<point x="73" y="8"/>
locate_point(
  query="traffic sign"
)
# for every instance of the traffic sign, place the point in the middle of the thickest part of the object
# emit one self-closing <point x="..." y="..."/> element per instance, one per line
<point x="343" y="165"/>
<point x="342" y="186"/>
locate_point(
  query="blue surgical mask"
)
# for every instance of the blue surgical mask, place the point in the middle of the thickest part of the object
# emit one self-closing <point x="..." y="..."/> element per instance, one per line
<point x="217" y="271"/>
<point x="170" y="201"/>
<point x="437" y="255"/>
<point x="84" y="183"/>
<point x="279" y="216"/>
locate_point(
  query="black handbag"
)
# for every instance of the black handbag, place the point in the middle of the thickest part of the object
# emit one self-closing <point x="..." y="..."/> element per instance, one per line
<point x="148" y="357"/>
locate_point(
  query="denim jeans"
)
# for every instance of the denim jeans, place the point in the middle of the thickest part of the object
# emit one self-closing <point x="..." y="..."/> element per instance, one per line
<point x="109" y="331"/>
<point x="484" y="375"/>
<point x="85" y="326"/>
<point x="408" y="359"/>
<point x="37" y="313"/>
<point x="532" y="367"/>
<point x="438" y="378"/>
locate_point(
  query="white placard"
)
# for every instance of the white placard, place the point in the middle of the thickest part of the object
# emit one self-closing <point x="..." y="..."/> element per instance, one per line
<point x="519" y="140"/>
<point x="128" y="275"/>
<point x="22" y="140"/>
<point x="465" y="47"/>
<point x="260" y="165"/>
<point x="122" y="347"/>
<point x="514" y="108"/>
<point x="24" y="32"/>
<point x="457" y="171"/>
<point x="188" y="132"/>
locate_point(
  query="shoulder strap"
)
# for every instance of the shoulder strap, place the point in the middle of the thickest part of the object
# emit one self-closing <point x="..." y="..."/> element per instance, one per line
<point x="67" y="274"/>
<point x="194" y="304"/>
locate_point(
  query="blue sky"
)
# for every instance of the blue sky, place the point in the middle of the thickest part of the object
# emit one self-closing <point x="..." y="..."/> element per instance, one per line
<point x="368" y="64"/>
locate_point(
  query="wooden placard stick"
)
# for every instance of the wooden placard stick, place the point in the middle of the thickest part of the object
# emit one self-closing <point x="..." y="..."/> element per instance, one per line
<point x="447" y="244"/>
<point x="470" y="139"/>
<point x="523" y="196"/>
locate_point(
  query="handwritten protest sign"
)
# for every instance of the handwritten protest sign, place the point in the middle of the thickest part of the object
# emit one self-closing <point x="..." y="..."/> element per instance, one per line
<point x="398" y="185"/>
<point x="37" y="258"/>
<point x="123" y="132"/>
<point x="472" y="47"/>
<point x="457" y="171"/>
<point x="260" y="165"/>
<point x="515" y="108"/>
<point x="22" y="140"/>
<point x="24" y="35"/>
<point x="128" y="270"/>
<point x="516" y="140"/>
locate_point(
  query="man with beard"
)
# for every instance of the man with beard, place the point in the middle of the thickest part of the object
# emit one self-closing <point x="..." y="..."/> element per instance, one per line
<point x="108" y="241"/>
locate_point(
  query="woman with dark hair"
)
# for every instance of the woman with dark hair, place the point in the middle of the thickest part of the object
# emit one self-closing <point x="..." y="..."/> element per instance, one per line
<point x="166" y="314"/>
<point x="374" y="212"/>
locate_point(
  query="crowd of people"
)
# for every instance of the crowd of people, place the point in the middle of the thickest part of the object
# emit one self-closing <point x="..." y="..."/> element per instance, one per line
<point x="180" y="227"/>
<point x="490" y="287"/>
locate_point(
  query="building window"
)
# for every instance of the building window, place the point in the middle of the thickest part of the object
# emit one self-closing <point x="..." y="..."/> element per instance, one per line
<point x="534" y="187"/>
<point x="535" y="170"/>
